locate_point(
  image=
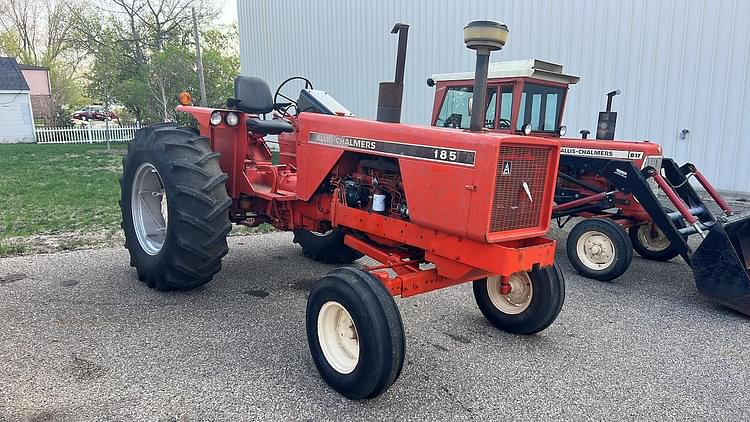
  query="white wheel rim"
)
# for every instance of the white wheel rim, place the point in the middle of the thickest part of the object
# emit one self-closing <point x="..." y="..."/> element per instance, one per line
<point x="595" y="250"/>
<point x="519" y="298"/>
<point x="149" y="208"/>
<point x="338" y="337"/>
<point x="652" y="238"/>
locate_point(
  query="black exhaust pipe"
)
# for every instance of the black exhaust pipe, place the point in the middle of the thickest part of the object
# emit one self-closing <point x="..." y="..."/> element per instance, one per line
<point x="391" y="94"/>
<point x="479" y="98"/>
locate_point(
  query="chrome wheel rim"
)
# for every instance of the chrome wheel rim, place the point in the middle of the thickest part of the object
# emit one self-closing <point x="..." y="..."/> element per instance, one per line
<point x="652" y="238"/>
<point x="338" y="337"/>
<point x="149" y="208"/>
<point x="519" y="298"/>
<point x="595" y="250"/>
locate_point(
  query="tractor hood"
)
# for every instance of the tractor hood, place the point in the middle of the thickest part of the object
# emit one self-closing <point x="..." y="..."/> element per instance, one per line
<point x="485" y="186"/>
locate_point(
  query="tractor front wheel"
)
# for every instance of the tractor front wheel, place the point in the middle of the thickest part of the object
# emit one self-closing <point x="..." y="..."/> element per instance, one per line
<point x="327" y="247"/>
<point x="651" y="243"/>
<point x="533" y="303"/>
<point x="355" y="333"/>
<point x="174" y="208"/>
<point x="599" y="248"/>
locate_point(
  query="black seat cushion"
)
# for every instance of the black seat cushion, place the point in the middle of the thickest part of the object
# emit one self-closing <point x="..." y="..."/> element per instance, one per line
<point x="268" y="127"/>
<point x="253" y="94"/>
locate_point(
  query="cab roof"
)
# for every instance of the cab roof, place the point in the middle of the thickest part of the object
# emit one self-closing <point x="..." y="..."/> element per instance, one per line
<point x="530" y="68"/>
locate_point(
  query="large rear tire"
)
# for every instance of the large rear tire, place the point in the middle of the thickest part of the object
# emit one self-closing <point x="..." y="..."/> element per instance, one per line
<point x="355" y="333"/>
<point x="327" y="247"/>
<point x="533" y="304"/>
<point x="599" y="248"/>
<point x="174" y="207"/>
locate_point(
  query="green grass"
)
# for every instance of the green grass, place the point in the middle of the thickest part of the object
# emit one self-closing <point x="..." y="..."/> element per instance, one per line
<point x="63" y="197"/>
<point x="52" y="189"/>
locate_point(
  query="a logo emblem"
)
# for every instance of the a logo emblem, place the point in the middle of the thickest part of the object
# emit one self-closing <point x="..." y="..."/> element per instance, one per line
<point x="507" y="165"/>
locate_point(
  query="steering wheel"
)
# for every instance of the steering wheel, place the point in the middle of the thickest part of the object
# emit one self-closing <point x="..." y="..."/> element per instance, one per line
<point x="283" y="107"/>
<point x="504" y="124"/>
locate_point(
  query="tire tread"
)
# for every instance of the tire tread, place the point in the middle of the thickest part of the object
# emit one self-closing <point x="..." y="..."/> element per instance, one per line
<point x="198" y="201"/>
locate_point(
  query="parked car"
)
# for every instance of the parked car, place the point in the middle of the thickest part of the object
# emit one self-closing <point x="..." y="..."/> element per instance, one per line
<point x="93" y="112"/>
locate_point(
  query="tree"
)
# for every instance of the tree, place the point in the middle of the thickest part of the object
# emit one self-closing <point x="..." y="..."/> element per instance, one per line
<point x="142" y="52"/>
<point x="138" y="53"/>
<point x="143" y="55"/>
<point x="220" y="64"/>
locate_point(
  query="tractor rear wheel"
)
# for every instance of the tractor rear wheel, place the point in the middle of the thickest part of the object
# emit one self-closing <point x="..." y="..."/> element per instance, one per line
<point x="599" y="248"/>
<point x="326" y="247"/>
<point x="174" y="208"/>
<point x="651" y="243"/>
<point x="355" y="333"/>
<point x="534" y="301"/>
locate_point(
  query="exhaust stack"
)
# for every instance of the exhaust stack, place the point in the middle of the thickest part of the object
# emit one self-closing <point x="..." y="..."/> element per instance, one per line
<point x="391" y="94"/>
<point x="484" y="37"/>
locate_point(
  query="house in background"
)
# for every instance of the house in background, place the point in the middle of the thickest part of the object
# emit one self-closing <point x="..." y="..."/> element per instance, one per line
<point x="16" y="116"/>
<point x="40" y="90"/>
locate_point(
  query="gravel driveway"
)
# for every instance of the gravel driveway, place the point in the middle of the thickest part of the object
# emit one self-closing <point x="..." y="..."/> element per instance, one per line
<point x="82" y="339"/>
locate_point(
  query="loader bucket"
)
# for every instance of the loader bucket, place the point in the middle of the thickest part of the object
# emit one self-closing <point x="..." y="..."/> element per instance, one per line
<point x="721" y="265"/>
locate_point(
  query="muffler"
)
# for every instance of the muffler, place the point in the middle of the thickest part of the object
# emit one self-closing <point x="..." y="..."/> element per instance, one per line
<point x="721" y="265"/>
<point x="391" y="94"/>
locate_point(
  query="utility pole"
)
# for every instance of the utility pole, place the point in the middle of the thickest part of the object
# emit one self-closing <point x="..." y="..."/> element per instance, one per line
<point x="107" y="94"/>
<point x="199" y="61"/>
<point x="106" y="116"/>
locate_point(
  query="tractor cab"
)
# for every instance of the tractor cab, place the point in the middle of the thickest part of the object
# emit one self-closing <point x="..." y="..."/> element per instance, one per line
<point x="523" y="97"/>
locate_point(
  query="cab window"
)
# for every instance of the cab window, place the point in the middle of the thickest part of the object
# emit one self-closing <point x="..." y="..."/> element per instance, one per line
<point x="540" y="107"/>
<point x="506" y="107"/>
<point x="455" y="110"/>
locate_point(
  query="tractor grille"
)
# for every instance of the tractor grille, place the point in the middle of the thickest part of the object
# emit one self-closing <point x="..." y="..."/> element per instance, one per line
<point x="511" y="207"/>
<point x="655" y="162"/>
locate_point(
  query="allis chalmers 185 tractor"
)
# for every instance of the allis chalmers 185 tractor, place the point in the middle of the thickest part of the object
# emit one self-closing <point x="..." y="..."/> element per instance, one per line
<point x="433" y="206"/>
<point x="610" y="183"/>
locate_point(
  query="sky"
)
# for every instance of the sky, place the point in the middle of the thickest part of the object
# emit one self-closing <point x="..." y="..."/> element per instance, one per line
<point x="229" y="12"/>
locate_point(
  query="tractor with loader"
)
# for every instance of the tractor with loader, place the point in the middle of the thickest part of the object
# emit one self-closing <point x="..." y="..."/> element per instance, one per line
<point x="611" y="184"/>
<point x="434" y="207"/>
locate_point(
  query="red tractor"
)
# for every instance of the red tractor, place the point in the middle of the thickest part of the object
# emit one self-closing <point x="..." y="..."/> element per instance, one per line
<point x="609" y="183"/>
<point x="434" y="207"/>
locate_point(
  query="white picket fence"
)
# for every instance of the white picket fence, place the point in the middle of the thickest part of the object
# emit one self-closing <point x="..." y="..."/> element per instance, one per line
<point x="85" y="134"/>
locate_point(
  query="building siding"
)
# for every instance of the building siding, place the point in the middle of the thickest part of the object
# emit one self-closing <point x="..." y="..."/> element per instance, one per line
<point x="15" y="115"/>
<point x="680" y="64"/>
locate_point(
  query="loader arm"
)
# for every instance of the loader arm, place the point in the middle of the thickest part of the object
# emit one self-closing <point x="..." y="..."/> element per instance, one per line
<point x="625" y="176"/>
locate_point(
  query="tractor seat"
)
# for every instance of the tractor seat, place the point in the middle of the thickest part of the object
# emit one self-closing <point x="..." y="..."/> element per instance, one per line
<point x="268" y="127"/>
<point x="252" y="95"/>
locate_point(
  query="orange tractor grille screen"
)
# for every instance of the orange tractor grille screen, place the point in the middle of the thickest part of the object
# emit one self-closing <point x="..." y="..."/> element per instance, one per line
<point x="519" y="187"/>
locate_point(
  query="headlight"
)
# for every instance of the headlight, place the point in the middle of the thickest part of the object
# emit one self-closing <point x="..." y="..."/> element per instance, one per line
<point x="215" y="118"/>
<point x="526" y="129"/>
<point x="232" y="118"/>
<point x="562" y="130"/>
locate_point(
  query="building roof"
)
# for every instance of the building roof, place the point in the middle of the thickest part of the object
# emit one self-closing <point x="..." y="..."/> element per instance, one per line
<point x="531" y="68"/>
<point x="11" y="78"/>
<point x="31" y="67"/>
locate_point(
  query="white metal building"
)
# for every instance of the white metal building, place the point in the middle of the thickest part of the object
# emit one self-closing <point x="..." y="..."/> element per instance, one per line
<point x="15" y="104"/>
<point x="682" y="65"/>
